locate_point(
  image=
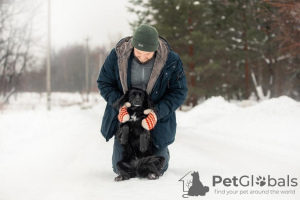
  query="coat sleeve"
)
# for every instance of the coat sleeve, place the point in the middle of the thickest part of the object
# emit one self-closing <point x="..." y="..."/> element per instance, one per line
<point x="107" y="81"/>
<point x="176" y="93"/>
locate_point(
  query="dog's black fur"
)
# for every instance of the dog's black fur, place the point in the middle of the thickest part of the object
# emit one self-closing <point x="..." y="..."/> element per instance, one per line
<point x="138" y="159"/>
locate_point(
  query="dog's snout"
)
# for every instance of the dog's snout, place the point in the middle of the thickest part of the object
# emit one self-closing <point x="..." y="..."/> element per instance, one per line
<point x="137" y="101"/>
<point x="136" y="98"/>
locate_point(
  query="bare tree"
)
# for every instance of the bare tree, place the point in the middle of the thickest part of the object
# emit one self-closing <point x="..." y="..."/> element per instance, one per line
<point x="15" y="46"/>
<point x="286" y="21"/>
<point x="189" y="183"/>
<point x="284" y="18"/>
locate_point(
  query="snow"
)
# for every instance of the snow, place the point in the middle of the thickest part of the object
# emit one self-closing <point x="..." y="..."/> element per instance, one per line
<point x="196" y="2"/>
<point x="62" y="155"/>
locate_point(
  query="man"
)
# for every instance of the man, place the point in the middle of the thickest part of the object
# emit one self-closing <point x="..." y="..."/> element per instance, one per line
<point x="143" y="61"/>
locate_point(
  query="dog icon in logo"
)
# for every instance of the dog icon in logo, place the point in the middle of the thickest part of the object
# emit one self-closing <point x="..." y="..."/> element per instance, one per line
<point x="194" y="187"/>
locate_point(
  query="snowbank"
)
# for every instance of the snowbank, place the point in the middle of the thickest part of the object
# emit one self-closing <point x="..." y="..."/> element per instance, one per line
<point x="62" y="155"/>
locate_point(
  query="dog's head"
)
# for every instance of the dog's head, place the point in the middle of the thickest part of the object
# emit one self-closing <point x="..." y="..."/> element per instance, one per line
<point x="137" y="98"/>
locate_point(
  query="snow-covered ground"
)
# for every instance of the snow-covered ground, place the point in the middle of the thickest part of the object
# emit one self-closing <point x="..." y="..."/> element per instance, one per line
<point x="62" y="155"/>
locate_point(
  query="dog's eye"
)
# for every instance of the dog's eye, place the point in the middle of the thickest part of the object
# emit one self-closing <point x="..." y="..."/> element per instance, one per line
<point x="141" y="94"/>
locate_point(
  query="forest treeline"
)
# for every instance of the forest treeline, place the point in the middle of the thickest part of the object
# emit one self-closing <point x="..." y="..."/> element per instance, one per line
<point x="232" y="48"/>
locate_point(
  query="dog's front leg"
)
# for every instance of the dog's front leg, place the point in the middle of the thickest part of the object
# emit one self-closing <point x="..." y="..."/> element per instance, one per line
<point x="144" y="140"/>
<point x="123" y="134"/>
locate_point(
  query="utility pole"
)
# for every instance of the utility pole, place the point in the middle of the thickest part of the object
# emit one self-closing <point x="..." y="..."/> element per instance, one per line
<point x="49" y="61"/>
<point x="87" y="69"/>
<point x="101" y="61"/>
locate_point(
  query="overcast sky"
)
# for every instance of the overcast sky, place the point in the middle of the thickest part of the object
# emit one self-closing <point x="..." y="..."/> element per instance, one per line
<point x="72" y="21"/>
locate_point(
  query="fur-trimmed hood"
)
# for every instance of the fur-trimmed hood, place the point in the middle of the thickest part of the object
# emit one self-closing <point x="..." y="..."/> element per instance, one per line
<point x="167" y="89"/>
<point x="123" y="51"/>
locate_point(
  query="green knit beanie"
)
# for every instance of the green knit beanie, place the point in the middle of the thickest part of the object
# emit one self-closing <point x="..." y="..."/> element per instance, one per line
<point x="145" y="38"/>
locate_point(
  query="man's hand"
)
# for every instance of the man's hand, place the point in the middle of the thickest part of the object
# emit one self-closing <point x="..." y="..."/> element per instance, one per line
<point x="123" y="114"/>
<point x="149" y="122"/>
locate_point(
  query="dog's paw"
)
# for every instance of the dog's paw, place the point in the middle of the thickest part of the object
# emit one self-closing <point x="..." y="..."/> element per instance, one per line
<point x="119" y="178"/>
<point x="152" y="176"/>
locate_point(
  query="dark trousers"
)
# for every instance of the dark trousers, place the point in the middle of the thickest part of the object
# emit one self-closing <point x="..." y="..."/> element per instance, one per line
<point x="118" y="149"/>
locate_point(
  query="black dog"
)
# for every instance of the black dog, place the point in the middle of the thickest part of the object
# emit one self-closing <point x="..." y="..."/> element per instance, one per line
<point x="138" y="159"/>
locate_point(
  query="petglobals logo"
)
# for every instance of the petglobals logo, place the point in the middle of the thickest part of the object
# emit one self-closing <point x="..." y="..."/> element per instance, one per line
<point x="254" y="185"/>
<point x="245" y="181"/>
<point x="193" y="185"/>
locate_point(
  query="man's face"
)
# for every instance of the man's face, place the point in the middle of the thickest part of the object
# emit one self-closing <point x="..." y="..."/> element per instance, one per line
<point x="143" y="56"/>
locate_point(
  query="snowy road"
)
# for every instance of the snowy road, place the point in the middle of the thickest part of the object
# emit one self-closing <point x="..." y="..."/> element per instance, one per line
<point x="61" y="154"/>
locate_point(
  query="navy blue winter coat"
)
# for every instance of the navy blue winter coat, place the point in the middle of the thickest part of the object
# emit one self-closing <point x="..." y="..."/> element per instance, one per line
<point x="167" y="87"/>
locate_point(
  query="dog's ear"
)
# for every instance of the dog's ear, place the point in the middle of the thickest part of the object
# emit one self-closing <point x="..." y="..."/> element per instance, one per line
<point x="121" y="101"/>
